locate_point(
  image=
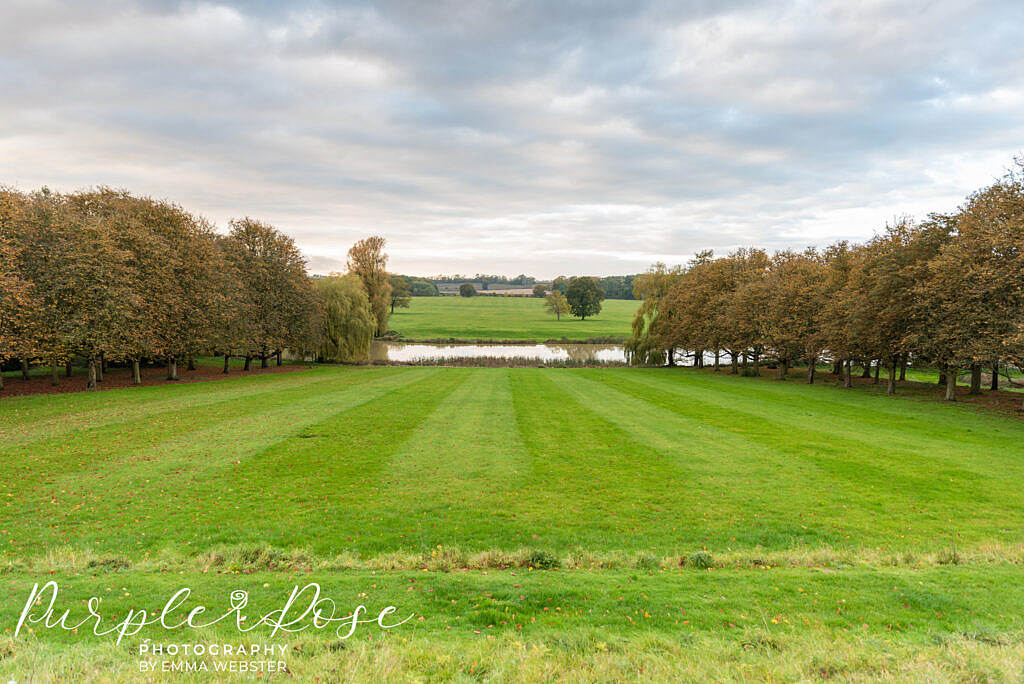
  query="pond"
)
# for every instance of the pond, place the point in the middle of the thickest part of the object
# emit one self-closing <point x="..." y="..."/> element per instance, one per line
<point x="399" y="352"/>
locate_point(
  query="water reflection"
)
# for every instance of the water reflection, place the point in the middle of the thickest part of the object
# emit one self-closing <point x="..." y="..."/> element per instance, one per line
<point x="405" y="353"/>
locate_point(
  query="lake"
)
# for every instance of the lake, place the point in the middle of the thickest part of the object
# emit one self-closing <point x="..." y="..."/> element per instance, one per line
<point x="399" y="352"/>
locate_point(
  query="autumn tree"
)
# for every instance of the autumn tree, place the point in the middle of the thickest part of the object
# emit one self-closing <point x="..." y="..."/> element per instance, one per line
<point x="275" y="278"/>
<point x="15" y="291"/>
<point x="784" y="304"/>
<point x="737" y="303"/>
<point x="367" y="261"/>
<point x="969" y="299"/>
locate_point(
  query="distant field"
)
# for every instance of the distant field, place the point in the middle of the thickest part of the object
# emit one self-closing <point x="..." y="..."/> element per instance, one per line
<point x="506" y="318"/>
<point x="625" y="523"/>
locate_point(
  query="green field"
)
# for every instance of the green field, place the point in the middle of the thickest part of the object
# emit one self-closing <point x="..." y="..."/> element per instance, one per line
<point x="506" y="318"/>
<point x="609" y="523"/>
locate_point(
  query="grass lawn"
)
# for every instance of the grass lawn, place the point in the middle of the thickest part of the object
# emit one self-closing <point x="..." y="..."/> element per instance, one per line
<point x="506" y="318"/>
<point x="613" y="523"/>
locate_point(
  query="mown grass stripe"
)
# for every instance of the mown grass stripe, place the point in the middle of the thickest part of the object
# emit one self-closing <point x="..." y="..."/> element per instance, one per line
<point x="328" y="477"/>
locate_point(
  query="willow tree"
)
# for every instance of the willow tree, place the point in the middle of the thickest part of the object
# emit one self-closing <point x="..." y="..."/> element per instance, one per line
<point x="648" y="345"/>
<point x="347" y="319"/>
<point x="368" y="262"/>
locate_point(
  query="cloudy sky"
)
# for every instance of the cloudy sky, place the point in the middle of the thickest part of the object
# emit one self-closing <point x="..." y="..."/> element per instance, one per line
<point x="506" y="137"/>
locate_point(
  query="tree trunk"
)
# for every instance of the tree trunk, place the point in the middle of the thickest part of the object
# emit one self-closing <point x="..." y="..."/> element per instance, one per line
<point x="68" y="370"/>
<point x="811" y="367"/>
<point x="227" y="362"/>
<point x="782" y="369"/>
<point x="867" y="370"/>
<point x="24" y="369"/>
<point x="942" y="377"/>
<point x="248" y="362"/>
<point x="878" y="368"/>
<point x="745" y="356"/>
<point x="172" y="368"/>
<point x="891" y="387"/>
<point x="263" y="360"/>
<point x="671" y="357"/>
<point x="717" y="355"/>
<point x="91" y="383"/>
<point x="191" y="362"/>
<point x="54" y="372"/>
<point x="903" y="367"/>
<point x="101" y="368"/>
<point x="837" y="367"/>
<point x="975" y="378"/>
<point x="278" y="358"/>
<point x="951" y="382"/>
<point x="136" y="372"/>
<point x="995" y="375"/>
<point x="848" y="373"/>
<point x="734" y="363"/>
<point x="757" y="363"/>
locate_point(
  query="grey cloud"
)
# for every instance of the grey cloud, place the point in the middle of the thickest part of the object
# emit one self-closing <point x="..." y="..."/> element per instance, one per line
<point x="535" y="137"/>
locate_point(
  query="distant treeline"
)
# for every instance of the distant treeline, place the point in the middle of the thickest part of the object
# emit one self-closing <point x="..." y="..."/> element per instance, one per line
<point x="947" y="292"/>
<point x="615" y="287"/>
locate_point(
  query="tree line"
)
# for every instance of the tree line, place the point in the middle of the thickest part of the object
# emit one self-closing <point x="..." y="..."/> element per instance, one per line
<point x="103" y="276"/>
<point x="946" y="292"/>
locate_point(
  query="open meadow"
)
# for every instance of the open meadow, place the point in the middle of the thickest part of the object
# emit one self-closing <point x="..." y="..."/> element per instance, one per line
<point x="507" y="318"/>
<point x="540" y="523"/>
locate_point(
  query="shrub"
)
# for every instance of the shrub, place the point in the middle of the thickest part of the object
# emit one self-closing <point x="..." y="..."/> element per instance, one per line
<point x="541" y="560"/>
<point x="700" y="559"/>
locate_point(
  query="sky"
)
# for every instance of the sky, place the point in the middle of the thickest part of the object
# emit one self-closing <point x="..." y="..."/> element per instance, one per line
<point x="512" y="137"/>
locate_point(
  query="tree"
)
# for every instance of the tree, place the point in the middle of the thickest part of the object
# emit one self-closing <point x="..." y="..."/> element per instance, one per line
<point x="400" y="293"/>
<point x="422" y="288"/>
<point x="556" y="303"/>
<point x="467" y="290"/>
<point x="786" y="301"/>
<point x="348" y="322"/>
<point x="969" y="298"/>
<point x="561" y="284"/>
<point x="539" y="290"/>
<point x="367" y="260"/>
<point x="275" y="277"/>
<point x="15" y="291"/>
<point x="648" y="345"/>
<point x="737" y="305"/>
<point x="238" y="328"/>
<point x="585" y="296"/>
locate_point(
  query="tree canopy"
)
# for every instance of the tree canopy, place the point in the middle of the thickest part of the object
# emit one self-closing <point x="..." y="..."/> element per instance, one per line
<point x="947" y="291"/>
<point x="585" y="296"/>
